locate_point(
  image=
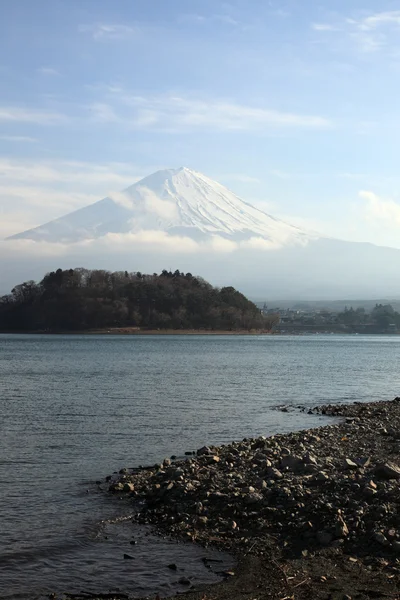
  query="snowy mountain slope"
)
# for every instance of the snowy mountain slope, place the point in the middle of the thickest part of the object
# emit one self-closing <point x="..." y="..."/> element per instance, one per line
<point x="293" y="264"/>
<point x="177" y="201"/>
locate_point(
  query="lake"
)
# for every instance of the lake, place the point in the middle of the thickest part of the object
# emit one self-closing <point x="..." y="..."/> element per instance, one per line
<point x="76" y="408"/>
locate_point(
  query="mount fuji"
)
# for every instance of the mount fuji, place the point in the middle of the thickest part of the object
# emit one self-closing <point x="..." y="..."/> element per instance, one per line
<point x="179" y="218"/>
<point x="176" y="201"/>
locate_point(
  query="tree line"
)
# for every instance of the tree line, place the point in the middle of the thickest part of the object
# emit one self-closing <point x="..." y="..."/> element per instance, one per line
<point x="83" y="299"/>
<point x="382" y="318"/>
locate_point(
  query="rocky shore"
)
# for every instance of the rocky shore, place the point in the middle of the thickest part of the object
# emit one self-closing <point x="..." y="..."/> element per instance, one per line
<point x="311" y="514"/>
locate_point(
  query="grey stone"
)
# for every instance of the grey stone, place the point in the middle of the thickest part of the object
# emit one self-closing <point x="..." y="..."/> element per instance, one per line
<point x="128" y="487"/>
<point x="341" y="529"/>
<point x="274" y="473"/>
<point x="254" y="498"/>
<point x="365" y="461"/>
<point x="387" y="470"/>
<point x="350" y="464"/>
<point x="292" y="462"/>
<point x="176" y="473"/>
<point x="380" y="538"/>
<point x="204" y="451"/>
<point x="309" y="459"/>
<point x="213" y="459"/>
<point x="116" y="487"/>
<point x="369" y="492"/>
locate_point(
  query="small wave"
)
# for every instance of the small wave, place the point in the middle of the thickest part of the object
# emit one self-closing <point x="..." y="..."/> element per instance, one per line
<point x="95" y="530"/>
<point x="38" y="553"/>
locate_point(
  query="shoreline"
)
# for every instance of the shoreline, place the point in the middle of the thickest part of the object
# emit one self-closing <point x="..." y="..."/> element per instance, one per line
<point x="174" y="332"/>
<point x="308" y="515"/>
<point x="138" y="331"/>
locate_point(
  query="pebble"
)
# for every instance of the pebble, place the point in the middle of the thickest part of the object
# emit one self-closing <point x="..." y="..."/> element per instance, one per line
<point x="350" y="464"/>
<point x="380" y="538"/>
<point x="274" y="473"/>
<point x="128" y="487"/>
<point x="341" y="529"/>
<point x="204" y="450"/>
<point x="387" y="470"/>
<point x="305" y="488"/>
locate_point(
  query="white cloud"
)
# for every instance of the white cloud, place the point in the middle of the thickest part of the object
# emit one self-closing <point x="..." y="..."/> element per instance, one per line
<point x="219" y="245"/>
<point x="381" y="211"/>
<point x="18" y="138"/>
<point x="161" y="208"/>
<point x="225" y="19"/>
<point x="48" y="71"/>
<point x="113" y="243"/>
<point x="34" y="192"/>
<point x="24" y="207"/>
<point x="109" y="31"/>
<point x="87" y="174"/>
<point x="257" y="243"/>
<point x="372" y="32"/>
<point x="147" y="119"/>
<point x="15" y="221"/>
<point x="240" y="177"/>
<point x="378" y="20"/>
<point x="312" y="226"/>
<point x="280" y="174"/>
<point x="282" y="13"/>
<point x="172" y="113"/>
<point x="369" y="33"/>
<point x="122" y="199"/>
<point x="368" y="42"/>
<point x="45" y="197"/>
<point x="323" y="27"/>
<point x="154" y="241"/>
<point x="103" y="112"/>
<point x="28" y="115"/>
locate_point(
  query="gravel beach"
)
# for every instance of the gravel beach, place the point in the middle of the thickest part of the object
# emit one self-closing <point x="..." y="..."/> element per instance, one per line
<point x="308" y="515"/>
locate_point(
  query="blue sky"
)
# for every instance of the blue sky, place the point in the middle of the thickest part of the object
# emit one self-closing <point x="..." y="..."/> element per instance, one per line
<point x="293" y="105"/>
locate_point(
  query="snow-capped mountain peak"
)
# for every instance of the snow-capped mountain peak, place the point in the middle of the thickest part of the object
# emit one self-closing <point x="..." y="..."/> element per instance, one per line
<point x="177" y="201"/>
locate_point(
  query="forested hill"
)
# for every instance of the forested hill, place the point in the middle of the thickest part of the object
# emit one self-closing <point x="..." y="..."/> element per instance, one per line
<point x="80" y="299"/>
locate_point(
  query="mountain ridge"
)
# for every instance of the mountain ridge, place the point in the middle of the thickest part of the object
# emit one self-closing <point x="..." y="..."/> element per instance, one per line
<point x="189" y="218"/>
<point x="177" y="201"/>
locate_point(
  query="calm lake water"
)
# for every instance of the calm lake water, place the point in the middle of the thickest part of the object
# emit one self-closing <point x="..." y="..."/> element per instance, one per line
<point x="76" y="408"/>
